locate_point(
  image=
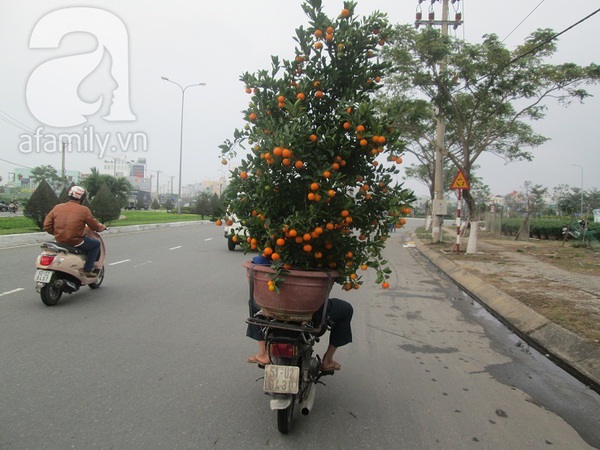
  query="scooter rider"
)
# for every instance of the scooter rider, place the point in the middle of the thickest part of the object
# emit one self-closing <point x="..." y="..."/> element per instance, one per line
<point x="67" y="222"/>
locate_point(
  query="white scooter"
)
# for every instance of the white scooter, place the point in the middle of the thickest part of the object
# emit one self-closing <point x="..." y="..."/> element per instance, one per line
<point x="59" y="269"/>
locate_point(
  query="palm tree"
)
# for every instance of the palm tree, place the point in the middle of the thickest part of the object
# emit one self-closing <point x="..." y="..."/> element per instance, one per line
<point x="119" y="187"/>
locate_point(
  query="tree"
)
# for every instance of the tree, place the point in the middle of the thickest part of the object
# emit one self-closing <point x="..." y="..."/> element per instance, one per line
<point x="425" y="172"/>
<point x="481" y="195"/>
<point x="314" y="190"/>
<point x="487" y="94"/>
<point x="40" y="203"/>
<point x="169" y="204"/>
<point x="105" y="206"/>
<point x="64" y="194"/>
<point x="120" y="187"/>
<point x="155" y="204"/>
<point x="537" y="200"/>
<point x="46" y="172"/>
<point x="216" y="206"/>
<point x="202" y="206"/>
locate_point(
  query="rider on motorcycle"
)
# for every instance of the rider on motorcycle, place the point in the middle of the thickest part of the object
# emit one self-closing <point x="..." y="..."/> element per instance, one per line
<point x="67" y="222"/>
<point x="339" y="315"/>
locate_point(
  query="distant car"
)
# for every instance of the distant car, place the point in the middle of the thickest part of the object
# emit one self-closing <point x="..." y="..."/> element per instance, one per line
<point x="231" y="230"/>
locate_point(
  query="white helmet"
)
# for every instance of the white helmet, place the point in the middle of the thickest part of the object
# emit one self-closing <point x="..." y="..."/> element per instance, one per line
<point x="77" y="192"/>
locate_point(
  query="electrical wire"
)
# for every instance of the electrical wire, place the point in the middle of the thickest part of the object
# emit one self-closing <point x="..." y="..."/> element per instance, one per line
<point x="541" y="44"/>
<point x="521" y="23"/>
<point x="15" y="164"/>
<point x="14" y="122"/>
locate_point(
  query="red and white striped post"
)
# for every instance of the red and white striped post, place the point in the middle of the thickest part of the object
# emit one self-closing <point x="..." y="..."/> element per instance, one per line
<point x="460" y="182"/>
<point x="458" y="209"/>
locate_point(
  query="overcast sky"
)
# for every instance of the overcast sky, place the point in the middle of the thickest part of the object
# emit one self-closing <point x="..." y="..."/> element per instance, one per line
<point x="214" y="42"/>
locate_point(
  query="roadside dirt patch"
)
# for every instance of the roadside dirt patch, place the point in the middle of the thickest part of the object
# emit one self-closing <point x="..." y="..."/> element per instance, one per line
<point x="561" y="282"/>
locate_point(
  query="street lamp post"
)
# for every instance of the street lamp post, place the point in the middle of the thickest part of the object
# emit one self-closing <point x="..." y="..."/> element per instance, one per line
<point x="183" y="89"/>
<point x="577" y="165"/>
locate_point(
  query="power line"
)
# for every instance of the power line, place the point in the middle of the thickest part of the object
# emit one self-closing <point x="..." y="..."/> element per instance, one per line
<point x="15" y="164"/>
<point x="541" y="44"/>
<point x="521" y="23"/>
<point x="14" y="122"/>
<point x="534" y="49"/>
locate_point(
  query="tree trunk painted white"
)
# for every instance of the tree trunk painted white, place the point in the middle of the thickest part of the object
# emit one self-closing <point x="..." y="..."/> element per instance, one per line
<point x="428" y="222"/>
<point x="472" y="244"/>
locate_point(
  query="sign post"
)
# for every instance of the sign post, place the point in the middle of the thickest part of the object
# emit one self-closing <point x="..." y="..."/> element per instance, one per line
<point x="460" y="182"/>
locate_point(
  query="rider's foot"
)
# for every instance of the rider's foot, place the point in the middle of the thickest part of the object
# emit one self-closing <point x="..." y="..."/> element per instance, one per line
<point x="330" y="365"/>
<point x="258" y="359"/>
<point x="87" y="274"/>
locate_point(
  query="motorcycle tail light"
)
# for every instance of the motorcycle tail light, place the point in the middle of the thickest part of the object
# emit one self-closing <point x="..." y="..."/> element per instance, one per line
<point x="46" y="260"/>
<point x="283" y="350"/>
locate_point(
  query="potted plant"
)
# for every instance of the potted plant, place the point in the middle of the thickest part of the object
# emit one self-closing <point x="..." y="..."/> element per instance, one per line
<point x="315" y="189"/>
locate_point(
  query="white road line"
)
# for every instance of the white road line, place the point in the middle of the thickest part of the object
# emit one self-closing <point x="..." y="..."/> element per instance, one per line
<point x="175" y="248"/>
<point x="209" y="239"/>
<point x="142" y="264"/>
<point x="11" y="292"/>
<point x="119" y="262"/>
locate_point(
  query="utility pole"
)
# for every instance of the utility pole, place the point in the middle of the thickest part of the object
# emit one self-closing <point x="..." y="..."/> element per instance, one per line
<point x="157" y="177"/>
<point x="62" y="171"/>
<point x="439" y="203"/>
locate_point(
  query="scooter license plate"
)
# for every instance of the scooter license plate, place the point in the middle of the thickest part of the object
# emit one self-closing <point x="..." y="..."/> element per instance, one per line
<point x="43" y="276"/>
<point x="281" y="379"/>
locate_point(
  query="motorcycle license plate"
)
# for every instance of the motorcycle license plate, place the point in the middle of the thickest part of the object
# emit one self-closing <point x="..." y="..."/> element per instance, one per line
<point x="43" y="276"/>
<point x="281" y="379"/>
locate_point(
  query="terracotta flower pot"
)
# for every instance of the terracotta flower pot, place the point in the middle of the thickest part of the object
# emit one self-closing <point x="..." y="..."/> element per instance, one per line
<point x="301" y="294"/>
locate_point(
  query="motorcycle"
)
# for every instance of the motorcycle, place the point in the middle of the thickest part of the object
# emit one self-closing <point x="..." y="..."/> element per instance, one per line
<point x="13" y="207"/>
<point x="59" y="266"/>
<point x="294" y="371"/>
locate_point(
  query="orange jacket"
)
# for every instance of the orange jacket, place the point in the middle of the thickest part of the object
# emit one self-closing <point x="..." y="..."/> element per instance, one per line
<point x="67" y="221"/>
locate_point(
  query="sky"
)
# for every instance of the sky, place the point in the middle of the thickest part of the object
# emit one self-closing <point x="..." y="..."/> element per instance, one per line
<point x="57" y="80"/>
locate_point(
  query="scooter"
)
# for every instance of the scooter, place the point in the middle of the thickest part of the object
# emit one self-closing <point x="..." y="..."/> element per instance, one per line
<point x="59" y="269"/>
<point x="13" y="207"/>
<point x="294" y="370"/>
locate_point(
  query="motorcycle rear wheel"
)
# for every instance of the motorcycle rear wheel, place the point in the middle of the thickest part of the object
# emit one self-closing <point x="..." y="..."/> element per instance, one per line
<point x="50" y="294"/>
<point x="96" y="284"/>
<point x="284" y="417"/>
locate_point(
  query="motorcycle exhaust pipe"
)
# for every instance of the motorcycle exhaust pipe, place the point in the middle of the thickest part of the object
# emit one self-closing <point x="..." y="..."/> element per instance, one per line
<point x="66" y="286"/>
<point x="308" y="403"/>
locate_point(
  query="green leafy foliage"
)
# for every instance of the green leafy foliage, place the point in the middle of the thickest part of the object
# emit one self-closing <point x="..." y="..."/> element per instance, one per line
<point x="105" y="206"/>
<point x="120" y="187"/>
<point x="487" y="95"/>
<point x="40" y="203"/>
<point x="316" y="187"/>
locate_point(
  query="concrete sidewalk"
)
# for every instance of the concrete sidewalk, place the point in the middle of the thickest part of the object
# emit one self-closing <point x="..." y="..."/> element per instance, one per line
<point x="579" y="357"/>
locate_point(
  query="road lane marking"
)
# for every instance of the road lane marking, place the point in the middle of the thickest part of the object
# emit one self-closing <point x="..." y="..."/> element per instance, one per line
<point x="209" y="239"/>
<point x="142" y="264"/>
<point x="175" y="248"/>
<point x="11" y="292"/>
<point x="119" y="262"/>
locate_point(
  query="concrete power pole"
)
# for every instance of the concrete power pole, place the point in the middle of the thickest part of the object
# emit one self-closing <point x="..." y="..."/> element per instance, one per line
<point x="62" y="170"/>
<point x="439" y="203"/>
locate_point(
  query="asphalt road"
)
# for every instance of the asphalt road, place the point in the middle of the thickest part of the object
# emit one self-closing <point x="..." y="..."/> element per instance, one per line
<point x="155" y="358"/>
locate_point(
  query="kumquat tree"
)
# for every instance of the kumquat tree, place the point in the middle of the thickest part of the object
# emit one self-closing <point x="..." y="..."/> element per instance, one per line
<point x="315" y="189"/>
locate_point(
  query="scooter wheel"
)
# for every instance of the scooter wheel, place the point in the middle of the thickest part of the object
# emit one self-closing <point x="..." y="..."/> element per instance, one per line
<point x="96" y="284"/>
<point x="50" y="294"/>
<point x="284" y="418"/>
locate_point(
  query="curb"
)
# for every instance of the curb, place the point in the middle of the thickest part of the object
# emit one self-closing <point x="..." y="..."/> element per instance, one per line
<point x="17" y="240"/>
<point x="577" y="356"/>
